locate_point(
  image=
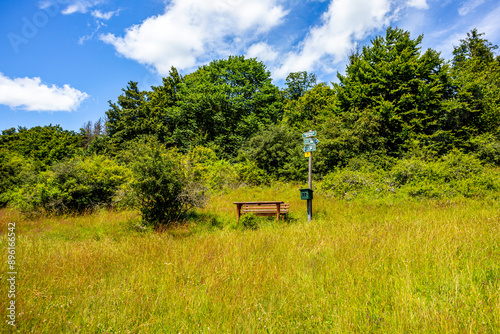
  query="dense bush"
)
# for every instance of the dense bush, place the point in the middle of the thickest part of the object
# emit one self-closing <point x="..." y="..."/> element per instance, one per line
<point x="162" y="185"/>
<point x="44" y="145"/>
<point x="204" y="167"/>
<point x="360" y="177"/>
<point x="12" y="166"/>
<point x="456" y="174"/>
<point x="249" y="174"/>
<point x="347" y="183"/>
<point x="76" y="185"/>
<point x="487" y="148"/>
<point x="215" y="174"/>
<point x="277" y="151"/>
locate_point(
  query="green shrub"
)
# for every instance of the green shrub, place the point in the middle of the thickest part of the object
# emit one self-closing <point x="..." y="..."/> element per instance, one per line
<point x="362" y="176"/>
<point x="479" y="185"/>
<point x="13" y="169"/>
<point x="76" y="185"/>
<point x="425" y="189"/>
<point x="277" y="150"/>
<point x="407" y="171"/>
<point x="206" y="168"/>
<point x="348" y="184"/>
<point x="458" y="166"/>
<point x="487" y="148"/>
<point x="44" y="145"/>
<point x="162" y="185"/>
<point x="454" y="175"/>
<point x="248" y="173"/>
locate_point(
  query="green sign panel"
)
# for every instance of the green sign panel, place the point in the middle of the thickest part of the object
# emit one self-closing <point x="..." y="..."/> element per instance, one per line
<point x="309" y="134"/>
<point x="309" y="148"/>
<point x="310" y="141"/>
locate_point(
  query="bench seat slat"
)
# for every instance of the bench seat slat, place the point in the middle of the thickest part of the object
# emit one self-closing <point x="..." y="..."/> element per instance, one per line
<point x="265" y="211"/>
<point x="264" y="207"/>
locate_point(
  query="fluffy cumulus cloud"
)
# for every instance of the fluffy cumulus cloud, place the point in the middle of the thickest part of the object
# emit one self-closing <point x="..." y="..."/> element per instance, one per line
<point x="262" y="51"/>
<point x="190" y="32"/>
<point x="419" y="4"/>
<point x="33" y="95"/>
<point x="343" y="23"/>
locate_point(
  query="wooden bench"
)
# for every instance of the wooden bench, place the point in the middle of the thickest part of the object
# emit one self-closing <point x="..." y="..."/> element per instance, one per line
<point x="266" y="208"/>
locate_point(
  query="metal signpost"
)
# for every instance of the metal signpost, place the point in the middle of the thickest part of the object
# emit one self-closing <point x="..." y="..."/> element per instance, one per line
<point x="310" y="146"/>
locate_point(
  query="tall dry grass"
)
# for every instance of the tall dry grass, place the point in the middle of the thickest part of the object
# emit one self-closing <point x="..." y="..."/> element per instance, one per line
<point x="386" y="267"/>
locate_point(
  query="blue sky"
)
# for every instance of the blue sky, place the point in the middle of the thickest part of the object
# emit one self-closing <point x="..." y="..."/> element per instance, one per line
<point x="62" y="60"/>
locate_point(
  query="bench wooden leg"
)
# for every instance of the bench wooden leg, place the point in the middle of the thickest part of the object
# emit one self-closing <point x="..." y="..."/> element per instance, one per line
<point x="277" y="212"/>
<point x="238" y="212"/>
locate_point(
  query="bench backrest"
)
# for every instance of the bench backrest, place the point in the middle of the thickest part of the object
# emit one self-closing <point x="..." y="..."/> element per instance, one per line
<point x="264" y="208"/>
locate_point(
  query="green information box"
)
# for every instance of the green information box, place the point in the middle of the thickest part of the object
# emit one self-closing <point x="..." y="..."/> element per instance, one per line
<point x="306" y="193"/>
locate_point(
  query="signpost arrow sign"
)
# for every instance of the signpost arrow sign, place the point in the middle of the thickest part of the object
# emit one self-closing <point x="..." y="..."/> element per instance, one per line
<point x="309" y="134"/>
<point x="309" y="148"/>
<point x="310" y="141"/>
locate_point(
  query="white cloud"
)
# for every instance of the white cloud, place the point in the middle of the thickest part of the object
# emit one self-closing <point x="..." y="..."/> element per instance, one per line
<point x="490" y="25"/>
<point x="80" y="6"/>
<point x="33" y="95"/>
<point x="469" y="6"/>
<point x="106" y="15"/>
<point x="450" y="38"/>
<point x="70" y="6"/>
<point x="191" y="30"/>
<point x="343" y="23"/>
<point x="419" y="4"/>
<point x="44" y="4"/>
<point x="85" y="38"/>
<point x="262" y="51"/>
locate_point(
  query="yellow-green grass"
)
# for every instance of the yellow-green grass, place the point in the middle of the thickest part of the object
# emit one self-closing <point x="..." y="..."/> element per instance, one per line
<point x="400" y="267"/>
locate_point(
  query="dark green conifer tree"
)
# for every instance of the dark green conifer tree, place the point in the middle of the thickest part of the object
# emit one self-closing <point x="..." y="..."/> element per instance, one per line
<point x="403" y="90"/>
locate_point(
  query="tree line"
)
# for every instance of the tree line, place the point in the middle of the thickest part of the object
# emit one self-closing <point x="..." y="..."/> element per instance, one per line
<point x="226" y="123"/>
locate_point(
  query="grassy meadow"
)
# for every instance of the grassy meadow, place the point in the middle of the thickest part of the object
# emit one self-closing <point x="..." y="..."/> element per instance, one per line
<point x="383" y="266"/>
